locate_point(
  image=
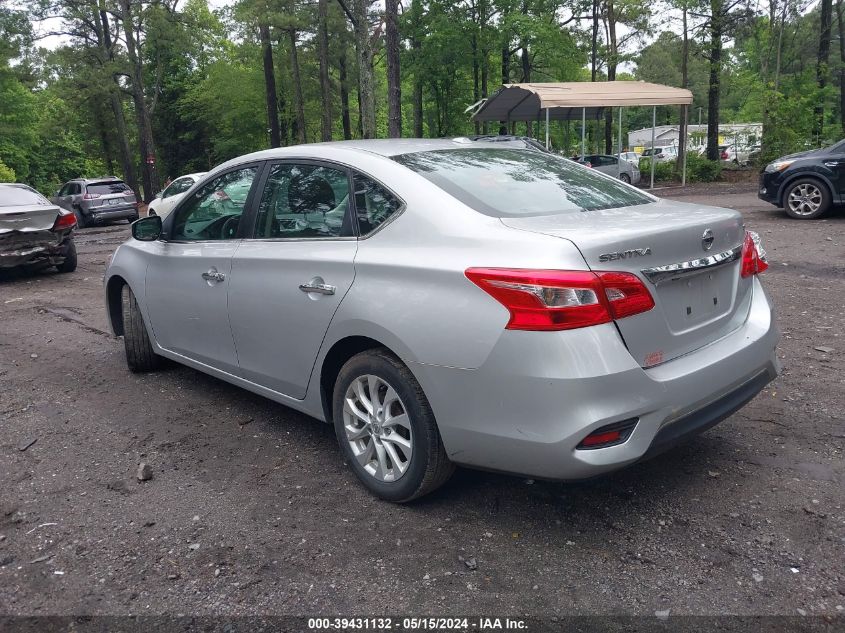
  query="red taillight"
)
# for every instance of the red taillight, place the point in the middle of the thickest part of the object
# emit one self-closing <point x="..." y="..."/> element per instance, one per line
<point x="724" y="155"/>
<point x="65" y="221"/>
<point x="753" y="255"/>
<point x="90" y="196"/>
<point x="548" y="300"/>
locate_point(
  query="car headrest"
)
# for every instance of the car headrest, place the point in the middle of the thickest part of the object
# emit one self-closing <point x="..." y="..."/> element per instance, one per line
<point x="310" y="194"/>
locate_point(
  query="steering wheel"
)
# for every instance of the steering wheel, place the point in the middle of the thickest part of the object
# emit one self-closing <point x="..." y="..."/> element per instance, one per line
<point x="230" y="228"/>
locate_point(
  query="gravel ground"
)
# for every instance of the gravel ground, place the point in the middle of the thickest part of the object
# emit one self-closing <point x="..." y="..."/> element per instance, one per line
<point x="250" y="510"/>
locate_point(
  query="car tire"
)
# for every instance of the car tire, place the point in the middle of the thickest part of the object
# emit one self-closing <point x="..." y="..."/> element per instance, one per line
<point x="806" y="199"/>
<point x="140" y="356"/>
<point x="625" y="178"/>
<point x="151" y="213"/>
<point x="70" y="261"/>
<point x="427" y="467"/>
<point x="130" y="220"/>
<point x="81" y="221"/>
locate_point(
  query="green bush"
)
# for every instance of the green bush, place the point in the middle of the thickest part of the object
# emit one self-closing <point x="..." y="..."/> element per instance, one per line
<point x="7" y="174"/>
<point x="699" y="169"/>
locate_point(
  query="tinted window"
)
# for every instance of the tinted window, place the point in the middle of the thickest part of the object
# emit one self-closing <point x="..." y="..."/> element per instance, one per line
<point x="373" y="203"/>
<point x="105" y="188"/>
<point x="508" y="183"/>
<point x="213" y="212"/>
<point x="13" y="196"/>
<point x="304" y="201"/>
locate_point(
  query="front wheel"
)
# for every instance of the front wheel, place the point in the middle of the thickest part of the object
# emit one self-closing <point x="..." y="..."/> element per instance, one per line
<point x="140" y="355"/>
<point x="81" y="220"/>
<point x="806" y="199"/>
<point x="386" y="428"/>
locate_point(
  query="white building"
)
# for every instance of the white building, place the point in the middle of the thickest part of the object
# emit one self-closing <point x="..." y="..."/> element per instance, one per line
<point x="741" y="134"/>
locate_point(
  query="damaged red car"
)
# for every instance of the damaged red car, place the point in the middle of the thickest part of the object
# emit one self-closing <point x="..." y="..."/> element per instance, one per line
<point x="33" y="231"/>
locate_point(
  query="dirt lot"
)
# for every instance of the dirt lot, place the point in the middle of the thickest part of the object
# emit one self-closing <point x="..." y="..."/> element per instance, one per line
<point x="251" y="511"/>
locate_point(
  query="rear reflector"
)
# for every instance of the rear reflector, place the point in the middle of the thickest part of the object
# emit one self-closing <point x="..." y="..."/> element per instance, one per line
<point x="550" y="300"/>
<point x="753" y="255"/>
<point x="66" y="220"/>
<point x="609" y="435"/>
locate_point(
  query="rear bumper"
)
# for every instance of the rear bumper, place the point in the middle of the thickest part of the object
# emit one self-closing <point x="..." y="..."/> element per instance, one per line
<point x="19" y="248"/>
<point x="102" y="214"/>
<point x="539" y="394"/>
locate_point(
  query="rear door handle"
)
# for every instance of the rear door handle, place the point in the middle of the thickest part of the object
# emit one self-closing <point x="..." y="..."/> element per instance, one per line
<point x="319" y="288"/>
<point x="213" y="275"/>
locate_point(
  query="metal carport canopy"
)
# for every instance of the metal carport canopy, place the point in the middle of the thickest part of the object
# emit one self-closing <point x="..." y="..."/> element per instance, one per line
<point x="529" y="101"/>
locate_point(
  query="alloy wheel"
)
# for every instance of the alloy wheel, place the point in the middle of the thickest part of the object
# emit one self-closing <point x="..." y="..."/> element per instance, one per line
<point x="805" y="199"/>
<point x="377" y="428"/>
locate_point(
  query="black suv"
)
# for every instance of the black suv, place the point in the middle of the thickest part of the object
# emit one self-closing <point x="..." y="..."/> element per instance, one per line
<point x="807" y="184"/>
<point x="95" y="200"/>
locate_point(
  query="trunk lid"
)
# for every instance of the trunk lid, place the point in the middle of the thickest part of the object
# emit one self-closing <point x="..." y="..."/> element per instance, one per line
<point x="692" y="307"/>
<point x="26" y="218"/>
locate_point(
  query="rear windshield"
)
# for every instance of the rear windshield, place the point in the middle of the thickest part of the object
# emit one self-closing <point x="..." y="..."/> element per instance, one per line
<point x="16" y="196"/>
<point x="513" y="183"/>
<point x="105" y="188"/>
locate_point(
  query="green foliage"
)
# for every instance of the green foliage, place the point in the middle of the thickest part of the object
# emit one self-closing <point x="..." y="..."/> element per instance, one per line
<point x="7" y="174"/>
<point x="699" y="169"/>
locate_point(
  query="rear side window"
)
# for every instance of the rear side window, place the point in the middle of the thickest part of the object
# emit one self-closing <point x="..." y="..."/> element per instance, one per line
<point x="373" y="203"/>
<point x="14" y="196"/>
<point x="106" y="188"/>
<point x="515" y="183"/>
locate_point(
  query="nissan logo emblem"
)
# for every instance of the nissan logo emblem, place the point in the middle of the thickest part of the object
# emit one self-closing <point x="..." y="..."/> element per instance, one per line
<point x="707" y="240"/>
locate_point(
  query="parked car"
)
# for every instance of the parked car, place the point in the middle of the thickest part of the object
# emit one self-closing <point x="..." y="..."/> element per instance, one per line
<point x="33" y="231"/>
<point x="628" y="172"/>
<point x="631" y="157"/>
<point x="443" y="302"/>
<point x="807" y="184"/>
<point x="167" y="199"/>
<point x="97" y="200"/>
<point x="661" y="154"/>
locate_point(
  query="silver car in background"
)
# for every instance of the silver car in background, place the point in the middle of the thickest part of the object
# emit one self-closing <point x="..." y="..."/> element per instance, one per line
<point x="97" y="200"/>
<point x="612" y="166"/>
<point x="448" y="303"/>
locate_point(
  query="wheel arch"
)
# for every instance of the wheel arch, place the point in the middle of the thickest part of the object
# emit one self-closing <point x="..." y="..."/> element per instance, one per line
<point x="114" y="303"/>
<point x="340" y="352"/>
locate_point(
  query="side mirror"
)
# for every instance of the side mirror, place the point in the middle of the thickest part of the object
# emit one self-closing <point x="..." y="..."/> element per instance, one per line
<point x="147" y="229"/>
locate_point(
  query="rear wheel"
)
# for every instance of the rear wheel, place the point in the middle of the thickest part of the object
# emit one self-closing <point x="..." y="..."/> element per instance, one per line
<point x="625" y="178"/>
<point x="806" y="199"/>
<point x="140" y="356"/>
<point x="386" y="428"/>
<point x="69" y="264"/>
<point x="81" y="220"/>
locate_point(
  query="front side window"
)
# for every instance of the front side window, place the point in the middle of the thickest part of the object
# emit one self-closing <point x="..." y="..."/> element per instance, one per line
<point x="373" y="203"/>
<point x="214" y="211"/>
<point x="514" y="183"/>
<point x="304" y="201"/>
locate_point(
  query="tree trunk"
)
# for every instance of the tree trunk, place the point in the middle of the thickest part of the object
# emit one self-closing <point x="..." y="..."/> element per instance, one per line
<point x="323" y="54"/>
<point x="299" y="107"/>
<point x="612" y="62"/>
<point x="272" y="99"/>
<point x="105" y="41"/>
<point x="366" y="85"/>
<point x="682" y="143"/>
<point x="714" y="89"/>
<point x="344" y="97"/>
<point x="476" y="88"/>
<point x="142" y="113"/>
<point x="394" y="82"/>
<point x="822" y="60"/>
<point x="840" y="16"/>
<point x="595" y="40"/>
<point x="506" y="79"/>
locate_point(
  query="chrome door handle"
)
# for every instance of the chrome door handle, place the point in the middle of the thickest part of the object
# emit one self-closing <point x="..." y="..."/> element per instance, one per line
<point x="831" y="163"/>
<point x="213" y="275"/>
<point x="323" y="289"/>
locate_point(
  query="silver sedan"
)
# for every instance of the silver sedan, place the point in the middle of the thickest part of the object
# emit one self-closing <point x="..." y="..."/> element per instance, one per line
<point x="442" y="302"/>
